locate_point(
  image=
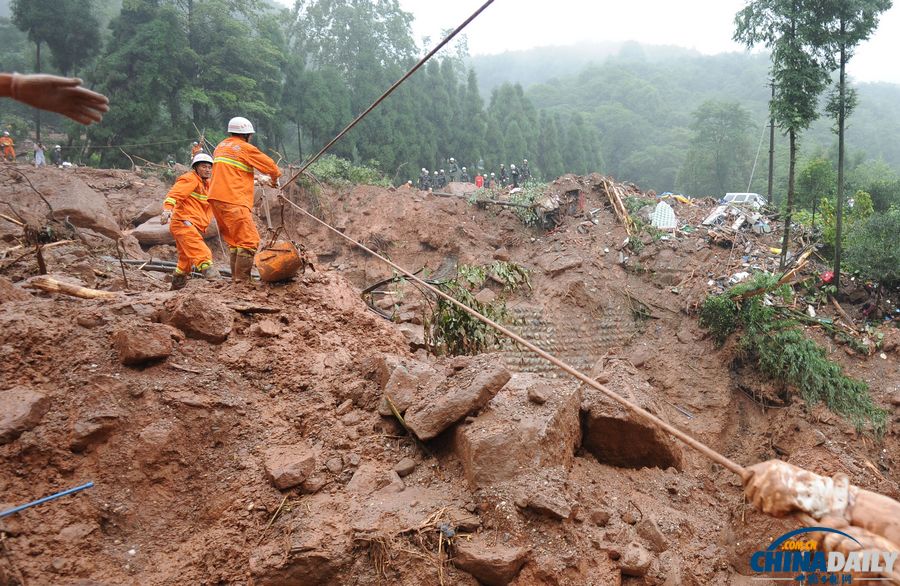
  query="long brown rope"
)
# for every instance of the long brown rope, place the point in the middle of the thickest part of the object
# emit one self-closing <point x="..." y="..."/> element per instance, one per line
<point x="652" y="419"/>
<point x="389" y="91"/>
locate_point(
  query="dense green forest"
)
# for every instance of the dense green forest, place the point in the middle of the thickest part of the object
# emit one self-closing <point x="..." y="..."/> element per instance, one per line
<point x="174" y="69"/>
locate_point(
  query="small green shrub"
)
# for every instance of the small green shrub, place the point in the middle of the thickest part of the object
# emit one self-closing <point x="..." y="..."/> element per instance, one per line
<point x="341" y="172"/>
<point x="780" y="349"/>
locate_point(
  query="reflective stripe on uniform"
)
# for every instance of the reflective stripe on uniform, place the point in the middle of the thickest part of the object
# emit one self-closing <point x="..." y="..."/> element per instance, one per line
<point x="169" y="201"/>
<point x="200" y="196"/>
<point x="233" y="163"/>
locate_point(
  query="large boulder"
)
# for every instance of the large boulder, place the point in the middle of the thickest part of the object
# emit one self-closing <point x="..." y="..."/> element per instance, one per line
<point x="20" y="410"/>
<point x="462" y="392"/>
<point x="516" y="434"/>
<point x="142" y="343"/>
<point x="614" y="436"/>
<point x="151" y="232"/>
<point x="493" y="565"/>
<point x="201" y="316"/>
<point x="78" y="204"/>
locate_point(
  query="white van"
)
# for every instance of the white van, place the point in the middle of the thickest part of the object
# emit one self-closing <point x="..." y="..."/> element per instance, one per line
<point x="752" y="199"/>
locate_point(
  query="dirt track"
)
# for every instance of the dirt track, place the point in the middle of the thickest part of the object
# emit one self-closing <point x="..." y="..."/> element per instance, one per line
<point x="179" y="448"/>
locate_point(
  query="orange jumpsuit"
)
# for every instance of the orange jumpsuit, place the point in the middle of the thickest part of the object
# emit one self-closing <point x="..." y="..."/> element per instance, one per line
<point x="191" y="215"/>
<point x="9" y="151"/>
<point x="231" y="191"/>
<point x="194" y="150"/>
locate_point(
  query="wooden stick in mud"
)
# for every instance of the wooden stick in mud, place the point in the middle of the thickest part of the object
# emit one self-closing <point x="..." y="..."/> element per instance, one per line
<point x="52" y="285"/>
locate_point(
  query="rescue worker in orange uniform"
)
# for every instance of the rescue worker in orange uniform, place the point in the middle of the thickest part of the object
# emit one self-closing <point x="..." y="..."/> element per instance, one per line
<point x="9" y="149"/>
<point x="231" y="194"/>
<point x="187" y="207"/>
<point x="196" y="149"/>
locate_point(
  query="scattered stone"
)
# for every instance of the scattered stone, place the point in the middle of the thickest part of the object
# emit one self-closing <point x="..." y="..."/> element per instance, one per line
<point x="550" y="503"/>
<point x="91" y="320"/>
<point x="344" y="408"/>
<point x="289" y="466"/>
<point x="485" y="296"/>
<point x="649" y="530"/>
<point x="143" y="343"/>
<point x="600" y="518"/>
<point x="554" y="263"/>
<point x="537" y="394"/>
<point x="334" y="465"/>
<point x="203" y="317"/>
<point x="351" y="460"/>
<point x="314" y="484"/>
<point x="21" y="409"/>
<point x="635" y="560"/>
<point x="368" y="478"/>
<point x="496" y="447"/>
<point x="152" y="233"/>
<point x="640" y="356"/>
<point x="493" y="565"/>
<point x="93" y="429"/>
<point x="629" y="517"/>
<point x="469" y="391"/>
<point x="266" y="328"/>
<point x="501" y="254"/>
<point x="405" y="467"/>
<point x="79" y="205"/>
<point x="415" y="335"/>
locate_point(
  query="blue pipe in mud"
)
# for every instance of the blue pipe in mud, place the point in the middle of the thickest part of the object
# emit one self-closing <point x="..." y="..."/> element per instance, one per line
<point x="45" y="499"/>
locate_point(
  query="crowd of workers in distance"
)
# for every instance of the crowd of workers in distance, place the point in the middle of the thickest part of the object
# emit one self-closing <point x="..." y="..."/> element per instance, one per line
<point x="221" y="186"/>
<point x="439" y="179"/>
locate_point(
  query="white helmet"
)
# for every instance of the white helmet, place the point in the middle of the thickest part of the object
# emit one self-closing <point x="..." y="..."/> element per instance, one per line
<point x="5" y="133"/>
<point x="57" y="147"/>
<point x="435" y="172"/>
<point x="201" y="158"/>
<point x="442" y="170"/>
<point x="464" y="168"/>
<point x="424" y="170"/>
<point x="524" y="160"/>
<point x="240" y="125"/>
<point x="195" y="143"/>
<point x="492" y="174"/>
<point x="452" y="159"/>
<point x="512" y="166"/>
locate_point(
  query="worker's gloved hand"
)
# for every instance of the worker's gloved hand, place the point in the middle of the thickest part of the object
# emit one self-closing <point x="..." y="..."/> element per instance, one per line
<point x="165" y="216"/>
<point x="63" y="95"/>
<point x="275" y="182"/>
<point x="865" y="542"/>
<point x="778" y="488"/>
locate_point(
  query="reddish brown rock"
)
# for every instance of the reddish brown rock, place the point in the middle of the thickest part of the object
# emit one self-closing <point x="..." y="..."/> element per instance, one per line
<point x="201" y="316"/>
<point x="461" y="394"/>
<point x="616" y="437"/>
<point x="9" y="292"/>
<point x="289" y="466"/>
<point x="493" y="565"/>
<point x="514" y="435"/>
<point x="143" y="343"/>
<point x="20" y="410"/>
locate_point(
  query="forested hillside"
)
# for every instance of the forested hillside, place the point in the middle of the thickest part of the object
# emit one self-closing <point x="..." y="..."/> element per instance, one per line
<point x="175" y="70"/>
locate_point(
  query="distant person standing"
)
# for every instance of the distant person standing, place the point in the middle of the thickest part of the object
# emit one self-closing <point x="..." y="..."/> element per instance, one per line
<point x="492" y="183"/>
<point x="56" y="156"/>
<point x="39" y="160"/>
<point x="231" y="194"/>
<point x="526" y="172"/>
<point x="9" y="147"/>
<point x="464" y="177"/>
<point x="196" y="149"/>
<point x="442" y="180"/>
<point x="454" y="170"/>
<point x="514" y="175"/>
<point x="424" y="180"/>
<point x="479" y="180"/>
<point x="504" y="177"/>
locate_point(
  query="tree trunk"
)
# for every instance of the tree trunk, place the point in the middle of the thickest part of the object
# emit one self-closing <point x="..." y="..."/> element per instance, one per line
<point x="37" y="111"/>
<point x="842" y="109"/>
<point x="789" y="206"/>
<point x="771" y="151"/>
<point x="299" y="143"/>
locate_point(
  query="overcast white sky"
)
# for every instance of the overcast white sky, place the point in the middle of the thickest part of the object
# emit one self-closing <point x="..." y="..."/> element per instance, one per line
<point x="705" y="25"/>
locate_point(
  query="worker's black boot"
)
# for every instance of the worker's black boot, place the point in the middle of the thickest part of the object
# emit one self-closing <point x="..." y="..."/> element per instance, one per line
<point x="179" y="281"/>
<point x="210" y="272"/>
<point x="243" y="264"/>
<point x="231" y="260"/>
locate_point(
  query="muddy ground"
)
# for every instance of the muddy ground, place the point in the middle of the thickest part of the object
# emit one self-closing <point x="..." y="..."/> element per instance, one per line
<point x="246" y="440"/>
